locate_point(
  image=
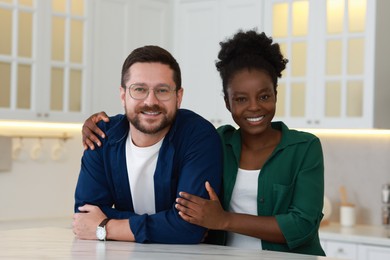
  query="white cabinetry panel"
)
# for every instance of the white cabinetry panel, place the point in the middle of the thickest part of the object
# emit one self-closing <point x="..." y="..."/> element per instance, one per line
<point x="335" y="77"/>
<point x="120" y="27"/>
<point x="199" y="27"/>
<point x="367" y="252"/>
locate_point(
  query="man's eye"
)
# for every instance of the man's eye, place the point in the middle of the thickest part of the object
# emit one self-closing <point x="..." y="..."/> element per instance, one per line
<point x="140" y="89"/>
<point x="162" y="90"/>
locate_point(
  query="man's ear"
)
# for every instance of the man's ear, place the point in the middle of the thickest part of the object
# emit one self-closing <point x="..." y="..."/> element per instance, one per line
<point x="122" y="95"/>
<point x="179" y="94"/>
<point x="227" y="103"/>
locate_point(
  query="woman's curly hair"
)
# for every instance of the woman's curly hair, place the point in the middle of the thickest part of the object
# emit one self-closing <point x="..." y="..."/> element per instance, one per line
<point x="250" y="50"/>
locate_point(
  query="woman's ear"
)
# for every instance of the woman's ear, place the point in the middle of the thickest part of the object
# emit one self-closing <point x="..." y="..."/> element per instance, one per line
<point x="227" y="103"/>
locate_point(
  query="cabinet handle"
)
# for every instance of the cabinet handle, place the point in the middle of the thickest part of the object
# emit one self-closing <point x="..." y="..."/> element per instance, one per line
<point x="317" y="122"/>
<point x="340" y="250"/>
<point x="309" y="122"/>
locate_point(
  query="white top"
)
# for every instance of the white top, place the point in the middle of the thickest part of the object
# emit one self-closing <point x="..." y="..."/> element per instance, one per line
<point x="141" y="164"/>
<point x="244" y="200"/>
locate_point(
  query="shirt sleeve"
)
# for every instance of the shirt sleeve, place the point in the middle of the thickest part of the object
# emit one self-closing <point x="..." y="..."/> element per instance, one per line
<point x="300" y="224"/>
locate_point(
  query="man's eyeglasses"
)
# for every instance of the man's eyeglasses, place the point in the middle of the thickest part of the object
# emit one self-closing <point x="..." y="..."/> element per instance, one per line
<point x="161" y="92"/>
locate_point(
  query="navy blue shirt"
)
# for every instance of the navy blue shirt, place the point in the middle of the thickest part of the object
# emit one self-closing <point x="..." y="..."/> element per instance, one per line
<point x="190" y="155"/>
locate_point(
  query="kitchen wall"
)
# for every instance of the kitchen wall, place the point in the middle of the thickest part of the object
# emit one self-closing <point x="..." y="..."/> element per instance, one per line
<point x="45" y="188"/>
<point x="41" y="188"/>
<point x="360" y="163"/>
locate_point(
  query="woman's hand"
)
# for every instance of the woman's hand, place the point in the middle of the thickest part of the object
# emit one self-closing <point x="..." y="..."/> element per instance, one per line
<point x="90" y="130"/>
<point x="202" y="212"/>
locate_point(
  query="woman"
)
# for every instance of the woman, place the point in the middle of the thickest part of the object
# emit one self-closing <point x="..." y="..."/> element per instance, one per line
<point x="273" y="177"/>
<point x="273" y="182"/>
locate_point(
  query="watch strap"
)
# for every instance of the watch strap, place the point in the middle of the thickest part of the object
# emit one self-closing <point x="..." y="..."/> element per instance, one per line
<point x="104" y="222"/>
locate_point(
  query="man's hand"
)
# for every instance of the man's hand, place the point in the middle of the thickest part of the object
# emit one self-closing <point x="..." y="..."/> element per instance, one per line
<point x="90" y="130"/>
<point x="202" y="212"/>
<point x="85" y="223"/>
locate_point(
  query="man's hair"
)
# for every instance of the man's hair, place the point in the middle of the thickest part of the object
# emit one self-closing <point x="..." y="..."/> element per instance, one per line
<point x="148" y="54"/>
<point x="249" y="50"/>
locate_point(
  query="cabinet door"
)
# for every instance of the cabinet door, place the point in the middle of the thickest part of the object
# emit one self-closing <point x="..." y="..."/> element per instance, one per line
<point x="234" y="15"/>
<point x="373" y="252"/>
<point x="67" y="72"/>
<point x="342" y="250"/>
<point x="328" y="82"/>
<point x="196" y="48"/>
<point x="120" y="27"/>
<point x="199" y="27"/>
<point x="43" y="63"/>
<point x="288" y="22"/>
<point x="18" y="59"/>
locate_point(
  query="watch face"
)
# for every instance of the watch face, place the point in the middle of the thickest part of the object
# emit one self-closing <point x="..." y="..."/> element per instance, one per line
<point x="101" y="233"/>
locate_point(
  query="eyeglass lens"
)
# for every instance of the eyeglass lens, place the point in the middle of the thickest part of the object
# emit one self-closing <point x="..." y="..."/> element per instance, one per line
<point x="162" y="92"/>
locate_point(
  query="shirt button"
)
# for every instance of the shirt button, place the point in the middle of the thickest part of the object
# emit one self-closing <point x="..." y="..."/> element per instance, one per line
<point x="261" y="200"/>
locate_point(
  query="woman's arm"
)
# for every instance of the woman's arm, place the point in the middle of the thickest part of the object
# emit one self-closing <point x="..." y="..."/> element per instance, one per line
<point x="90" y="130"/>
<point x="210" y="214"/>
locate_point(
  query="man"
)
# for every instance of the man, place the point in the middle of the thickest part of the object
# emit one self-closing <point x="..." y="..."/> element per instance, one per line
<point x="127" y="187"/>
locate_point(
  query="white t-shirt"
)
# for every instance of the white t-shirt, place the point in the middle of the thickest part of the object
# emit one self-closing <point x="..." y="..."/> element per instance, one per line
<point x="244" y="200"/>
<point x="141" y="165"/>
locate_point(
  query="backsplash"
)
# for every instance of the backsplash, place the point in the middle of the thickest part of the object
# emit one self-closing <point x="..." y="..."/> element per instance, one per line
<point x="362" y="165"/>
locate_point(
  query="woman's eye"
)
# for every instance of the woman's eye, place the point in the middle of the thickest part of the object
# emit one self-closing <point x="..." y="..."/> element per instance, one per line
<point x="240" y="99"/>
<point x="264" y="97"/>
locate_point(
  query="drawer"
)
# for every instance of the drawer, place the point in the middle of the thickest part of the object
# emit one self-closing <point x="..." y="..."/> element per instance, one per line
<point x="342" y="250"/>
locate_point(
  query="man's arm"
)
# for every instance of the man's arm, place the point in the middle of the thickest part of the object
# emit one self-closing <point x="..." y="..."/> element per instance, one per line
<point x="85" y="223"/>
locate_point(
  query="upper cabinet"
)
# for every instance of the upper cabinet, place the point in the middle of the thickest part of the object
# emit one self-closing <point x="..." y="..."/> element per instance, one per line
<point x="45" y="68"/>
<point x="61" y="60"/>
<point x="199" y="27"/>
<point x="120" y="27"/>
<point x="337" y="51"/>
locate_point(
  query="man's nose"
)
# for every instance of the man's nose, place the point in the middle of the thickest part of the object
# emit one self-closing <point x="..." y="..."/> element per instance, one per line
<point x="151" y="99"/>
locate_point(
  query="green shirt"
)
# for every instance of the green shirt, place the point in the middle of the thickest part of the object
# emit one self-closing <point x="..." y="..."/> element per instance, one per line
<point x="290" y="186"/>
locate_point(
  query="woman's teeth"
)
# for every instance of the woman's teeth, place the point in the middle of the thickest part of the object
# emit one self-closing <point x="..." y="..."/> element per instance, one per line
<point x="255" y="119"/>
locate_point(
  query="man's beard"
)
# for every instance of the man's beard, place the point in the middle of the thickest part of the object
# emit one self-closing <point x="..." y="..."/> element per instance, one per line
<point x="144" y="127"/>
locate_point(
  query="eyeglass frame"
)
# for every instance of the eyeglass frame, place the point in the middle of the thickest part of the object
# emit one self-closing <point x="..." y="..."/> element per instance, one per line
<point x="154" y="91"/>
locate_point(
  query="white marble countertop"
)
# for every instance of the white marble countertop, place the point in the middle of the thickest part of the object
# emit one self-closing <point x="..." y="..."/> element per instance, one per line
<point x="54" y="239"/>
<point x="363" y="234"/>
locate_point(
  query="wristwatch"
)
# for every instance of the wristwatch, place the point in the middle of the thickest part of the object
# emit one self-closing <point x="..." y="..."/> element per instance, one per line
<point x="101" y="232"/>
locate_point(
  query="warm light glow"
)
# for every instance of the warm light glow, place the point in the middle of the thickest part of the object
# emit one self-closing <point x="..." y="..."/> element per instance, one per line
<point x="335" y="16"/>
<point x="357" y="15"/>
<point x="39" y="125"/>
<point x="349" y="132"/>
<point x="300" y="17"/>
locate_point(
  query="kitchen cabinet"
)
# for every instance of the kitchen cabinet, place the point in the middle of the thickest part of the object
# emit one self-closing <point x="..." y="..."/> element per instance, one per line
<point x="360" y="242"/>
<point x="44" y="63"/>
<point x="369" y="252"/>
<point x="348" y="250"/>
<point x="199" y="27"/>
<point x="337" y="49"/>
<point x="122" y="26"/>
<point x="70" y="62"/>
<point x="342" y="250"/>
